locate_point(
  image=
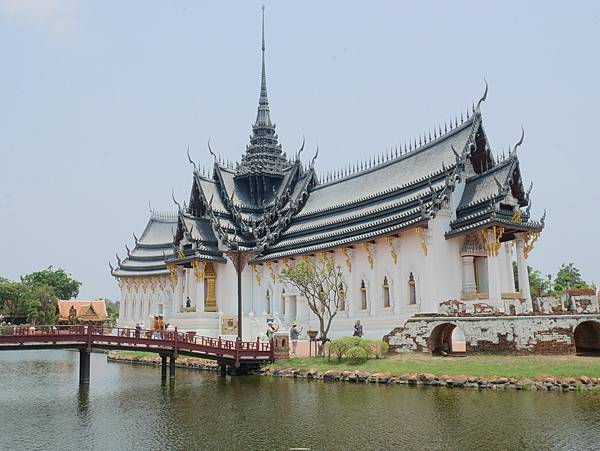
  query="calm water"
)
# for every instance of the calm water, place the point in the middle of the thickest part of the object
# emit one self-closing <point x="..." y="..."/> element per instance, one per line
<point x="127" y="408"/>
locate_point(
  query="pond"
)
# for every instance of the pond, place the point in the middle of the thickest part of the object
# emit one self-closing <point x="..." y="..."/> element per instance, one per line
<point x="126" y="407"/>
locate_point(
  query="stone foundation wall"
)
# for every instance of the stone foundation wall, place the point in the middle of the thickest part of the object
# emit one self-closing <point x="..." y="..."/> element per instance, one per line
<point x="544" y="334"/>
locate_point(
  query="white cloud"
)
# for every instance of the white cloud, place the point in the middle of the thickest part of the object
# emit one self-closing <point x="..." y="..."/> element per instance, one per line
<point x="55" y="15"/>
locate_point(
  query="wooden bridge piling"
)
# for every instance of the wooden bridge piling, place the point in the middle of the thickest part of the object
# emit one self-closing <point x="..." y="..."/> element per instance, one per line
<point x="84" y="366"/>
<point x="172" y="366"/>
<point x="163" y="367"/>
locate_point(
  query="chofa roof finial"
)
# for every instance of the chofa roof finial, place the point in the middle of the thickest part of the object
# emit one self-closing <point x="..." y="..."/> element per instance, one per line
<point x="175" y="200"/>
<point x="211" y="151"/>
<point x="301" y="148"/>
<point x="312" y="162"/>
<point x="190" y="159"/>
<point x="483" y="97"/>
<point x="514" y="151"/>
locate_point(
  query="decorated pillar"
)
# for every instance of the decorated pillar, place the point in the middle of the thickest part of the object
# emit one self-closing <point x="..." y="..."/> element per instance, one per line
<point x="469" y="283"/>
<point x="210" y="288"/>
<point x="493" y="265"/>
<point x="522" y="270"/>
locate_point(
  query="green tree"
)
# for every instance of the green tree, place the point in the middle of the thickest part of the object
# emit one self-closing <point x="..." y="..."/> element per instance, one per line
<point x="537" y="283"/>
<point x="112" y="309"/>
<point x="63" y="285"/>
<point x="322" y="284"/>
<point x="568" y="276"/>
<point x="14" y="299"/>
<point x="44" y="295"/>
<point x="34" y="311"/>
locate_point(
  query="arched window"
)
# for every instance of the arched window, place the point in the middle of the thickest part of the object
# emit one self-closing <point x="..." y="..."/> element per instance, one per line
<point x="363" y="295"/>
<point x="386" y="292"/>
<point x="283" y="301"/>
<point x="342" y="295"/>
<point x="268" y="302"/>
<point x="412" y="289"/>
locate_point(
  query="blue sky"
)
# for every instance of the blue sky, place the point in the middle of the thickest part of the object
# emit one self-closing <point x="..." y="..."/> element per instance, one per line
<point x="99" y="100"/>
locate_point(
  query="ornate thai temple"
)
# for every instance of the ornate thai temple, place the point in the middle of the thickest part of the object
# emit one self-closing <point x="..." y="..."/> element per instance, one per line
<point x="440" y="219"/>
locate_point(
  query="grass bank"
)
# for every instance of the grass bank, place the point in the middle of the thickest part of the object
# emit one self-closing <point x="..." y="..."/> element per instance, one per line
<point x="518" y="367"/>
<point x="151" y="358"/>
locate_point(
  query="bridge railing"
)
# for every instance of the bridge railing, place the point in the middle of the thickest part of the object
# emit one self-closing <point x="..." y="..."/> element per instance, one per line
<point x="44" y="330"/>
<point x="188" y="341"/>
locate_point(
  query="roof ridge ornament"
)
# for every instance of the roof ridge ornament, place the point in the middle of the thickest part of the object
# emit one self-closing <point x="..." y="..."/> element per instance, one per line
<point x="190" y="159"/>
<point x="312" y="162"/>
<point x="175" y="200"/>
<point x="211" y="151"/>
<point x="301" y="148"/>
<point x="513" y="153"/>
<point x="483" y="98"/>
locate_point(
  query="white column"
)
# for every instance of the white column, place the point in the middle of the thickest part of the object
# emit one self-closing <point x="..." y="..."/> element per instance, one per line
<point x="509" y="268"/>
<point x="469" y="284"/>
<point x="122" y="304"/>
<point x="178" y="295"/>
<point x="493" y="267"/>
<point x="376" y="294"/>
<point x="427" y="282"/>
<point x="523" y="273"/>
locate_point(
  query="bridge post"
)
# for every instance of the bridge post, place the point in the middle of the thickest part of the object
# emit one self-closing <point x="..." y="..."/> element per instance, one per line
<point x="84" y="366"/>
<point x="163" y="367"/>
<point x="172" y="366"/>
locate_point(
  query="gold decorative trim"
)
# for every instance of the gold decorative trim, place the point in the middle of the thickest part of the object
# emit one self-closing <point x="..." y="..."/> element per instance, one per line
<point x="492" y="248"/>
<point x="421" y="233"/>
<point x="517" y="217"/>
<point x="479" y="295"/>
<point x="530" y="240"/>
<point x="257" y="275"/>
<point x="347" y="258"/>
<point x="198" y="273"/>
<point x="367" y="247"/>
<point x="172" y="276"/>
<point x="271" y="271"/>
<point x="511" y="295"/>
<point x="390" y="242"/>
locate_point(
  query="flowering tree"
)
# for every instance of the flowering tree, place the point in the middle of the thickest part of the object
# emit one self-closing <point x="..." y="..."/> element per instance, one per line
<point x="322" y="284"/>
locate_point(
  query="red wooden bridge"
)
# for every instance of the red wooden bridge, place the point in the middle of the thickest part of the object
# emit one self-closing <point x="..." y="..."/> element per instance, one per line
<point x="239" y="356"/>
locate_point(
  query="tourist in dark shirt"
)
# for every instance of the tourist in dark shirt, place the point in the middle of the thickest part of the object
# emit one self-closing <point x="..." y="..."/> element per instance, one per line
<point x="358" y="329"/>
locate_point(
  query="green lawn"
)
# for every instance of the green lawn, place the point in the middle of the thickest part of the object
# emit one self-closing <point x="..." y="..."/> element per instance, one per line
<point x="519" y="367"/>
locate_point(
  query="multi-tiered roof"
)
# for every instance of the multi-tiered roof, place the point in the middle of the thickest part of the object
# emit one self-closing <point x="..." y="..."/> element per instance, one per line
<point x="278" y="207"/>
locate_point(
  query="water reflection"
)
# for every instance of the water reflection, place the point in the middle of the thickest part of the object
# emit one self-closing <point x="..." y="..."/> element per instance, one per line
<point x="127" y="407"/>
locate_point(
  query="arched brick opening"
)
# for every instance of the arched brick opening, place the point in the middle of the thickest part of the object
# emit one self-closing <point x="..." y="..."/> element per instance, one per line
<point x="587" y="337"/>
<point x="440" y="340"/>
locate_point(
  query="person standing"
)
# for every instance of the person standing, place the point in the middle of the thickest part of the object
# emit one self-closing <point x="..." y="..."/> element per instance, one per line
<point x="271" y="329"/>
<point x="358" y="329"/>
<point x="294" y="335"/>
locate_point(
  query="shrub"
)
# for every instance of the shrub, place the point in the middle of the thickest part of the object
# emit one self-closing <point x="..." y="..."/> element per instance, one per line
<point x="357" y="355"/>
<point x="6" y="330"/>
<point x="341" y="346"/>
<point x="379" y="349"/>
